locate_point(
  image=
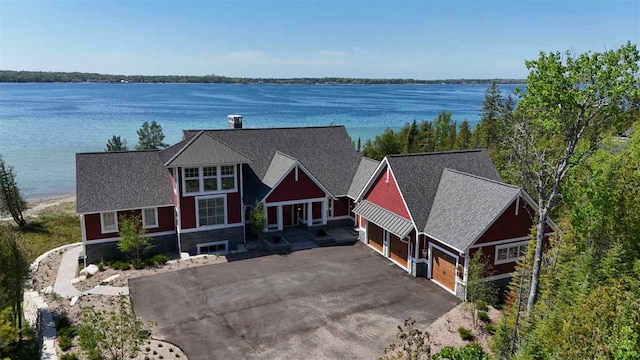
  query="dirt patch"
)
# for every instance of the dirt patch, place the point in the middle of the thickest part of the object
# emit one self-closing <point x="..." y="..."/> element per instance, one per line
<point x="444" y="331"/>
<point x="47" y="271"/>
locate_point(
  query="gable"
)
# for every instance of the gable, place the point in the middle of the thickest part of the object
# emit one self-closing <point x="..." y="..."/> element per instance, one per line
<point x="511" y="225"/>
<point x="289" y="189"/>
<point x="386" y="194"/>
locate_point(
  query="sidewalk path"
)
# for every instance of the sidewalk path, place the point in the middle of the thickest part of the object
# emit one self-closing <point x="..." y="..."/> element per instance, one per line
<point x="67" y="272"/>
<point x="108" y="290"/>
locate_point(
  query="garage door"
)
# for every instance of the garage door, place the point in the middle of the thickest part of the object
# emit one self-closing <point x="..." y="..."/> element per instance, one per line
<point x="443" y="269"/>
<point x="376" y="235"/>
<point x="398" y="250"/>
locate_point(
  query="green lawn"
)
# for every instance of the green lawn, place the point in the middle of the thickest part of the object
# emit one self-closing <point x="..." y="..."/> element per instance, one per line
<point x="49" y="231"/>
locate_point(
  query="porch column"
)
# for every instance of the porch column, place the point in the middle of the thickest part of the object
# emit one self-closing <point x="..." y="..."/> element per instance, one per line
<point x="309" y="213"/>
<point x="265" y="209"/>
<point x="324" y="211"/>
<point x="280" y="226"/>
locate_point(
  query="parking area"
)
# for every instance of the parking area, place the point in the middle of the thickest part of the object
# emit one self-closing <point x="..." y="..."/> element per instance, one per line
<point x="329" y="303"/>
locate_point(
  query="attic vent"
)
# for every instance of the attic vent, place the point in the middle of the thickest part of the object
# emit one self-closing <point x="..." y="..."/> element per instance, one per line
<point x="235" y="121"/>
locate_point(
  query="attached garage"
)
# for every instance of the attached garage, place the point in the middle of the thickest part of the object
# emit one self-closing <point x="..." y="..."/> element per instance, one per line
<point x="398" y="250"/>
<point x="376" y="236"/>
<point x="443" y="269"/>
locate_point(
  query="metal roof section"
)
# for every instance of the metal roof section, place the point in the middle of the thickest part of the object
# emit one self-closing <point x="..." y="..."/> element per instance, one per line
<point x="206" y="150"/>
<point x="384" y="218"/>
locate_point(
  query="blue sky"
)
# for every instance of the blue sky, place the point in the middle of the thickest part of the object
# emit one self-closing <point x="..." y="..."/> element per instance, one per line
<point x="410" y="39"/>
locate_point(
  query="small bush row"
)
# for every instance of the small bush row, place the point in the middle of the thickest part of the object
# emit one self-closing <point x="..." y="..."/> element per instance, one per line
<point x="66" y="332"/>
<point x="138" y="264"/>
<point x="465" y="334"/>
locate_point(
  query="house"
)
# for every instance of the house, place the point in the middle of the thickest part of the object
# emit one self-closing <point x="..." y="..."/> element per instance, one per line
<point x="427" y="213"/>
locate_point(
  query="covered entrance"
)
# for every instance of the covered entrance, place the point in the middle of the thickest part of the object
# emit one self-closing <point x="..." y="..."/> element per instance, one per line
<point x="295" y="213"/>
<point x="443" y="269"/>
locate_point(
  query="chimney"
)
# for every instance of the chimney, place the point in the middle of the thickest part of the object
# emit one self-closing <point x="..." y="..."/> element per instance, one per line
<point x="235" y="121"/>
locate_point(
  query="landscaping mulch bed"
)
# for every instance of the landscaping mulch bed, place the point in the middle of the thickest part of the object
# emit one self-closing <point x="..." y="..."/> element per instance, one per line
<point x="444" y="331"/>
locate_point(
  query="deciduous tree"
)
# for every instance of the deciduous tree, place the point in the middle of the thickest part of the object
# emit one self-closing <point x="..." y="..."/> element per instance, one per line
<point x="132" y="240"/>
<point x="14" y="271"/>
<point x="570" y="102"/>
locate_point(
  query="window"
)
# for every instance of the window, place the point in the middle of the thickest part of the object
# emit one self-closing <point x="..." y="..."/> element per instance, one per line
<point x="150" y="218"/>
<point x="217" y="247"/>
<point x="210" y="179"/>
<point x="228" y="177"/>
<point x="510" y="252"/>
<point x="108" y="222"/>
<point x="211" y="211"/>
<point x="192" y="180"/>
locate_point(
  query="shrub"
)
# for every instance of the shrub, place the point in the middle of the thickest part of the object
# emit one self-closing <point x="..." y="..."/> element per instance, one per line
<point x="65" y="342"/>
<point x="138" y="264"/>
<point x="483" y="316"/>
<point x="321" y="232"/>
<point x="121" y="265"/>
<point x="160" y="259"/>
<point x="62" y="322"/>
<point x="69" y="356"/>
<point x="69" y="331"/>
<point x="149" y="261"/>
<point x="481" y="305"/>
<point x="490" y="329"/>
<point x="468" y="352"/>
<point x="465" y="334"/>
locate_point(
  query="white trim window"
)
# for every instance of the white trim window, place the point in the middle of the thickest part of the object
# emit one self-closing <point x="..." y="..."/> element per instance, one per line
<point x="191" y="178"/>
<point x="109" y="222"/>
<point x="209" y="179"/>
<point x="510" y="252"/>
<point x="150" y="218"/>
<point x="216" y="247"/>
<point x="211" y="211"/>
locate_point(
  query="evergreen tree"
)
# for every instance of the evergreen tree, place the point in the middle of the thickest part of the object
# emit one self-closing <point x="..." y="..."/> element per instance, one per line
<point x="383" y="145"/>
<point x="116" y="144"/>
<point x="487" y="128"/>
<point x="359" y="146"/>
<point x="442" y="127"/>
<point x="150" y="137"/>
<point x="463" y="140"/>
<point x="426" y="136"/>
<point x="411" y="143"/>
<point x="11" y="200"/>
<point x="14" y="271"/>
<point x="453" y="136"/>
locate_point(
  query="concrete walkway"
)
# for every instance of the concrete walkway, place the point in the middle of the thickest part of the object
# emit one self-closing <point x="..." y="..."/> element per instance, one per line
<point x="67" y="272"/>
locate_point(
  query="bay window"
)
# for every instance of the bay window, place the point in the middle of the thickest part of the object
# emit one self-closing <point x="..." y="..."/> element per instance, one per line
<point x="211" y="211"/>
<point x="209" y="179"/>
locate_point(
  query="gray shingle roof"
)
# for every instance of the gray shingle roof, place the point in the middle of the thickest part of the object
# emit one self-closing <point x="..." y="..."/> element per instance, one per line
<point x="418" y="176"/>
<point x="202" y="149"/>
<point x="384" y="218"/>
<point x="280" y="166"/>
<point x="465" y="205"/>
<point x="326" y="151"/>
<point x="121" y="180"/>
<point x="363" y="173"/>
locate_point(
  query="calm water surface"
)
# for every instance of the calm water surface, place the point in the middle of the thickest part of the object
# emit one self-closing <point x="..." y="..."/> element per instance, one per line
<point x="42" y="126"/>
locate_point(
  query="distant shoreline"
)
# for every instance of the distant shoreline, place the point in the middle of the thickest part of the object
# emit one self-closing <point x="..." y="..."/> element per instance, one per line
<point x="10" y="76"/>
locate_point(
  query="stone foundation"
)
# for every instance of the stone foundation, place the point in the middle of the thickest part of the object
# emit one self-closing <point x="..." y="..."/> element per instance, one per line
<point x="189" y="241"/>
<point x="94" y="253"/>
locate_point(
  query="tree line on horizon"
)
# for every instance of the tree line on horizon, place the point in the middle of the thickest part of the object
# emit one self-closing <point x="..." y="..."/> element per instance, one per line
<point x="11" y="76"/>
<point x="444" y="134"/>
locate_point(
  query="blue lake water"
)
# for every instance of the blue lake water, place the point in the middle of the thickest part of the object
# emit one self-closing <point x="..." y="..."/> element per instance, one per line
<point x="42" y="126"/>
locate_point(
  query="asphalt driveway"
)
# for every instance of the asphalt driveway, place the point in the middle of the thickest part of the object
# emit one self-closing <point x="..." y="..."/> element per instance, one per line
<point x="332" y="303"/>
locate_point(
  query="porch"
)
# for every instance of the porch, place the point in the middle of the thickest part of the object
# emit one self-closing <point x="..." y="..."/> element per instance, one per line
<point x="296" y="213"/>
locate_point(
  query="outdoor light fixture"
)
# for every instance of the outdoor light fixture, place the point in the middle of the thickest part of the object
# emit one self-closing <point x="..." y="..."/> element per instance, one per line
<point x="424" y="252"/>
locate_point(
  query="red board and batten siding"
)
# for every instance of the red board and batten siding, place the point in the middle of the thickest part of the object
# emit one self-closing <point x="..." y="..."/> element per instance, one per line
<point x="290" y="189"/>
<point x="188" y="204"/>
<point x="341" y="206"/>
<point x="387" y="195"/>
<point x="93" y="229"/>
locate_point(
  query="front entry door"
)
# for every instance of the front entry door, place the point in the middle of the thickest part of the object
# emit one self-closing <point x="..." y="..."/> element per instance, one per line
<point x="287" y="215"/>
